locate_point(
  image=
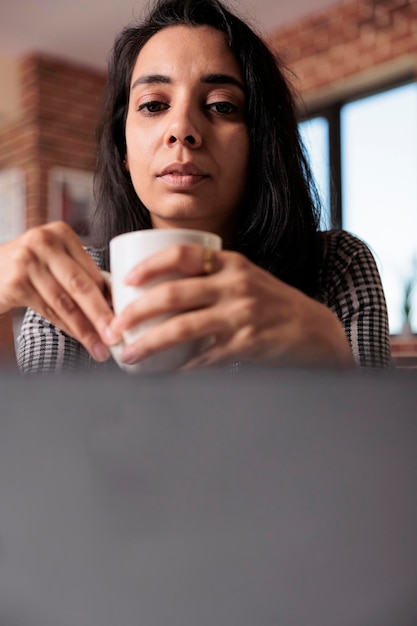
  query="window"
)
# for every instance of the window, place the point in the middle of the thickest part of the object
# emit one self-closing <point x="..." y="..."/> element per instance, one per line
<point x="373" y="160"/>
<point x="314" y="134"/>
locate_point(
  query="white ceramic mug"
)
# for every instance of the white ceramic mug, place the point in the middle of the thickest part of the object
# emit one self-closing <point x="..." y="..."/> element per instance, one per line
<point x="126" y="251"/>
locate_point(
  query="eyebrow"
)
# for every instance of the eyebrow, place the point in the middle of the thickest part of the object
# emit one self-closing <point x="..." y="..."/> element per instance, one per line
<point x="209" y="79"/>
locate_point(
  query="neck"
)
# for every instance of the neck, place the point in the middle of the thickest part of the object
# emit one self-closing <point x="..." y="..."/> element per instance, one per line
<point x="225" y="231"/>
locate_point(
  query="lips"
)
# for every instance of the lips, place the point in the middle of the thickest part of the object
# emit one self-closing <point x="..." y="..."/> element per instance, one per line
<point x="182" y="175"/>
<point x="182" y="169"/>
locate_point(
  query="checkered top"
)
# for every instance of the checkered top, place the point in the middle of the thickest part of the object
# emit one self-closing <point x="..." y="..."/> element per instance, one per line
<point x="349" y="284"/>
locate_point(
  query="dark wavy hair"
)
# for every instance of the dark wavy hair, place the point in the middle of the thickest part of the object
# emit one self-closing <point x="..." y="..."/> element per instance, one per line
<point x="278" y="221"/>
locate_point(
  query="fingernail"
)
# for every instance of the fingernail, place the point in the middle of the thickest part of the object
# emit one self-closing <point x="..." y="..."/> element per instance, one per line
<point x="117" y="324"/>
<point x="128" y="355"/>
<point x="130" y="277"/>
<point x="111" y="335"/>
<point x="100" y="352"/>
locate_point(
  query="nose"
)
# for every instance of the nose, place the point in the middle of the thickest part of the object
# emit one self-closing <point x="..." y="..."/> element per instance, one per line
<point x="189" y="140"/>
<point x="183" y="129"/>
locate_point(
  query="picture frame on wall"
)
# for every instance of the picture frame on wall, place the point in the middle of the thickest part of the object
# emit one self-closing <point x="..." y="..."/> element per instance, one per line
<point x="71" y="199"/>
<point x="12" y="203"/>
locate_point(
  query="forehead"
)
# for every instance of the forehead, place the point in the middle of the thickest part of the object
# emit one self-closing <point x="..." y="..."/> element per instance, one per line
<point x="186" y="50"/>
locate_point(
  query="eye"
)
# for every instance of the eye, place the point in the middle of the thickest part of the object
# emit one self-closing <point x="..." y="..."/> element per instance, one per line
<point x="153" y="106"/>
<point x="224" y="108"/>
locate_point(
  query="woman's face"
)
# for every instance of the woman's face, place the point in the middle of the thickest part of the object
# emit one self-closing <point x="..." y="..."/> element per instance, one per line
<point x="186" y="133"/>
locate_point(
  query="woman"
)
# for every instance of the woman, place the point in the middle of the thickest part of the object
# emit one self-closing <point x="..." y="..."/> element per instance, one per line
<point x="199" y="131"/>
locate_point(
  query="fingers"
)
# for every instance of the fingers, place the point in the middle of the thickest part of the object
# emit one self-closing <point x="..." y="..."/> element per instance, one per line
<point x="214" y="355"/>
<point x="51" y="272"/>
<point x="220" y="329"/>
<point x="186" y="327"/>
<point x="54" y="303"/>
<point x="201" y="303"/>
<point x="167" y="298"/>
<point x="175" y="295"/>
<point x="75" y="290"/>
<point x="187" y="260"/>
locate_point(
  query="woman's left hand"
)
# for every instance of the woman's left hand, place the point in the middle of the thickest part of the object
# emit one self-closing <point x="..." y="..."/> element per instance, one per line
<point x="252" y="315"/>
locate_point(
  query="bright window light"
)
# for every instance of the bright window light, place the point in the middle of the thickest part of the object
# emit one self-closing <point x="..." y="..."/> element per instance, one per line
<point x="379" y="188"/>
<point x="315" y="137"/>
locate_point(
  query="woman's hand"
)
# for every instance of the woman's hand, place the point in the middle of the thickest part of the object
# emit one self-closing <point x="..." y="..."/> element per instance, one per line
<point x="252" y="315"/>
<point x="47" y="269"/>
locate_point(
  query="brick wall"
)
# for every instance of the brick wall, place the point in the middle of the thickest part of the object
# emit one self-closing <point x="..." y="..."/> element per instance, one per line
<point x="56" y="126"/>
<point x="349" y="47"/>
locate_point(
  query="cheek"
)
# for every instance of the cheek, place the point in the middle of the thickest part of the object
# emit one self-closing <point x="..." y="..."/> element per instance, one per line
<point x="139" y="161"/>
<point x="140" y="145"/>
<point x="236" y="157"/>
<point x="240" y="168"/>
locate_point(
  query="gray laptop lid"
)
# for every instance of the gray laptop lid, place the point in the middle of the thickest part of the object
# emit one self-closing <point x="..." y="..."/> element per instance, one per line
<point x="250" y="499"/>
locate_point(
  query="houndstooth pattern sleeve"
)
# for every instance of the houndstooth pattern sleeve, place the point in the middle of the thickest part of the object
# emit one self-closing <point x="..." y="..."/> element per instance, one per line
<point x="351" y="287"/>
<point x="44" y="348"/>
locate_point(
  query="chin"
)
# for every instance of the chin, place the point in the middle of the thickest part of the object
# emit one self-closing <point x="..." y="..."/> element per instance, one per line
<point x="184" y="215"/>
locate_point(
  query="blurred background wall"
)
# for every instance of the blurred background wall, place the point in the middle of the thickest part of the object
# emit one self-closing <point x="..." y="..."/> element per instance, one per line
<point x="52" y="124"/>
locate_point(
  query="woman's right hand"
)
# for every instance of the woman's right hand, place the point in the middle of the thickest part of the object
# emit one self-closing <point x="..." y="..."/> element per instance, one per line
<point x="46" y="268"/>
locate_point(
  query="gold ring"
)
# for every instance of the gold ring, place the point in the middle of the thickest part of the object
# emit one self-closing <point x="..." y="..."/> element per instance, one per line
<point x="208" y="261"/>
